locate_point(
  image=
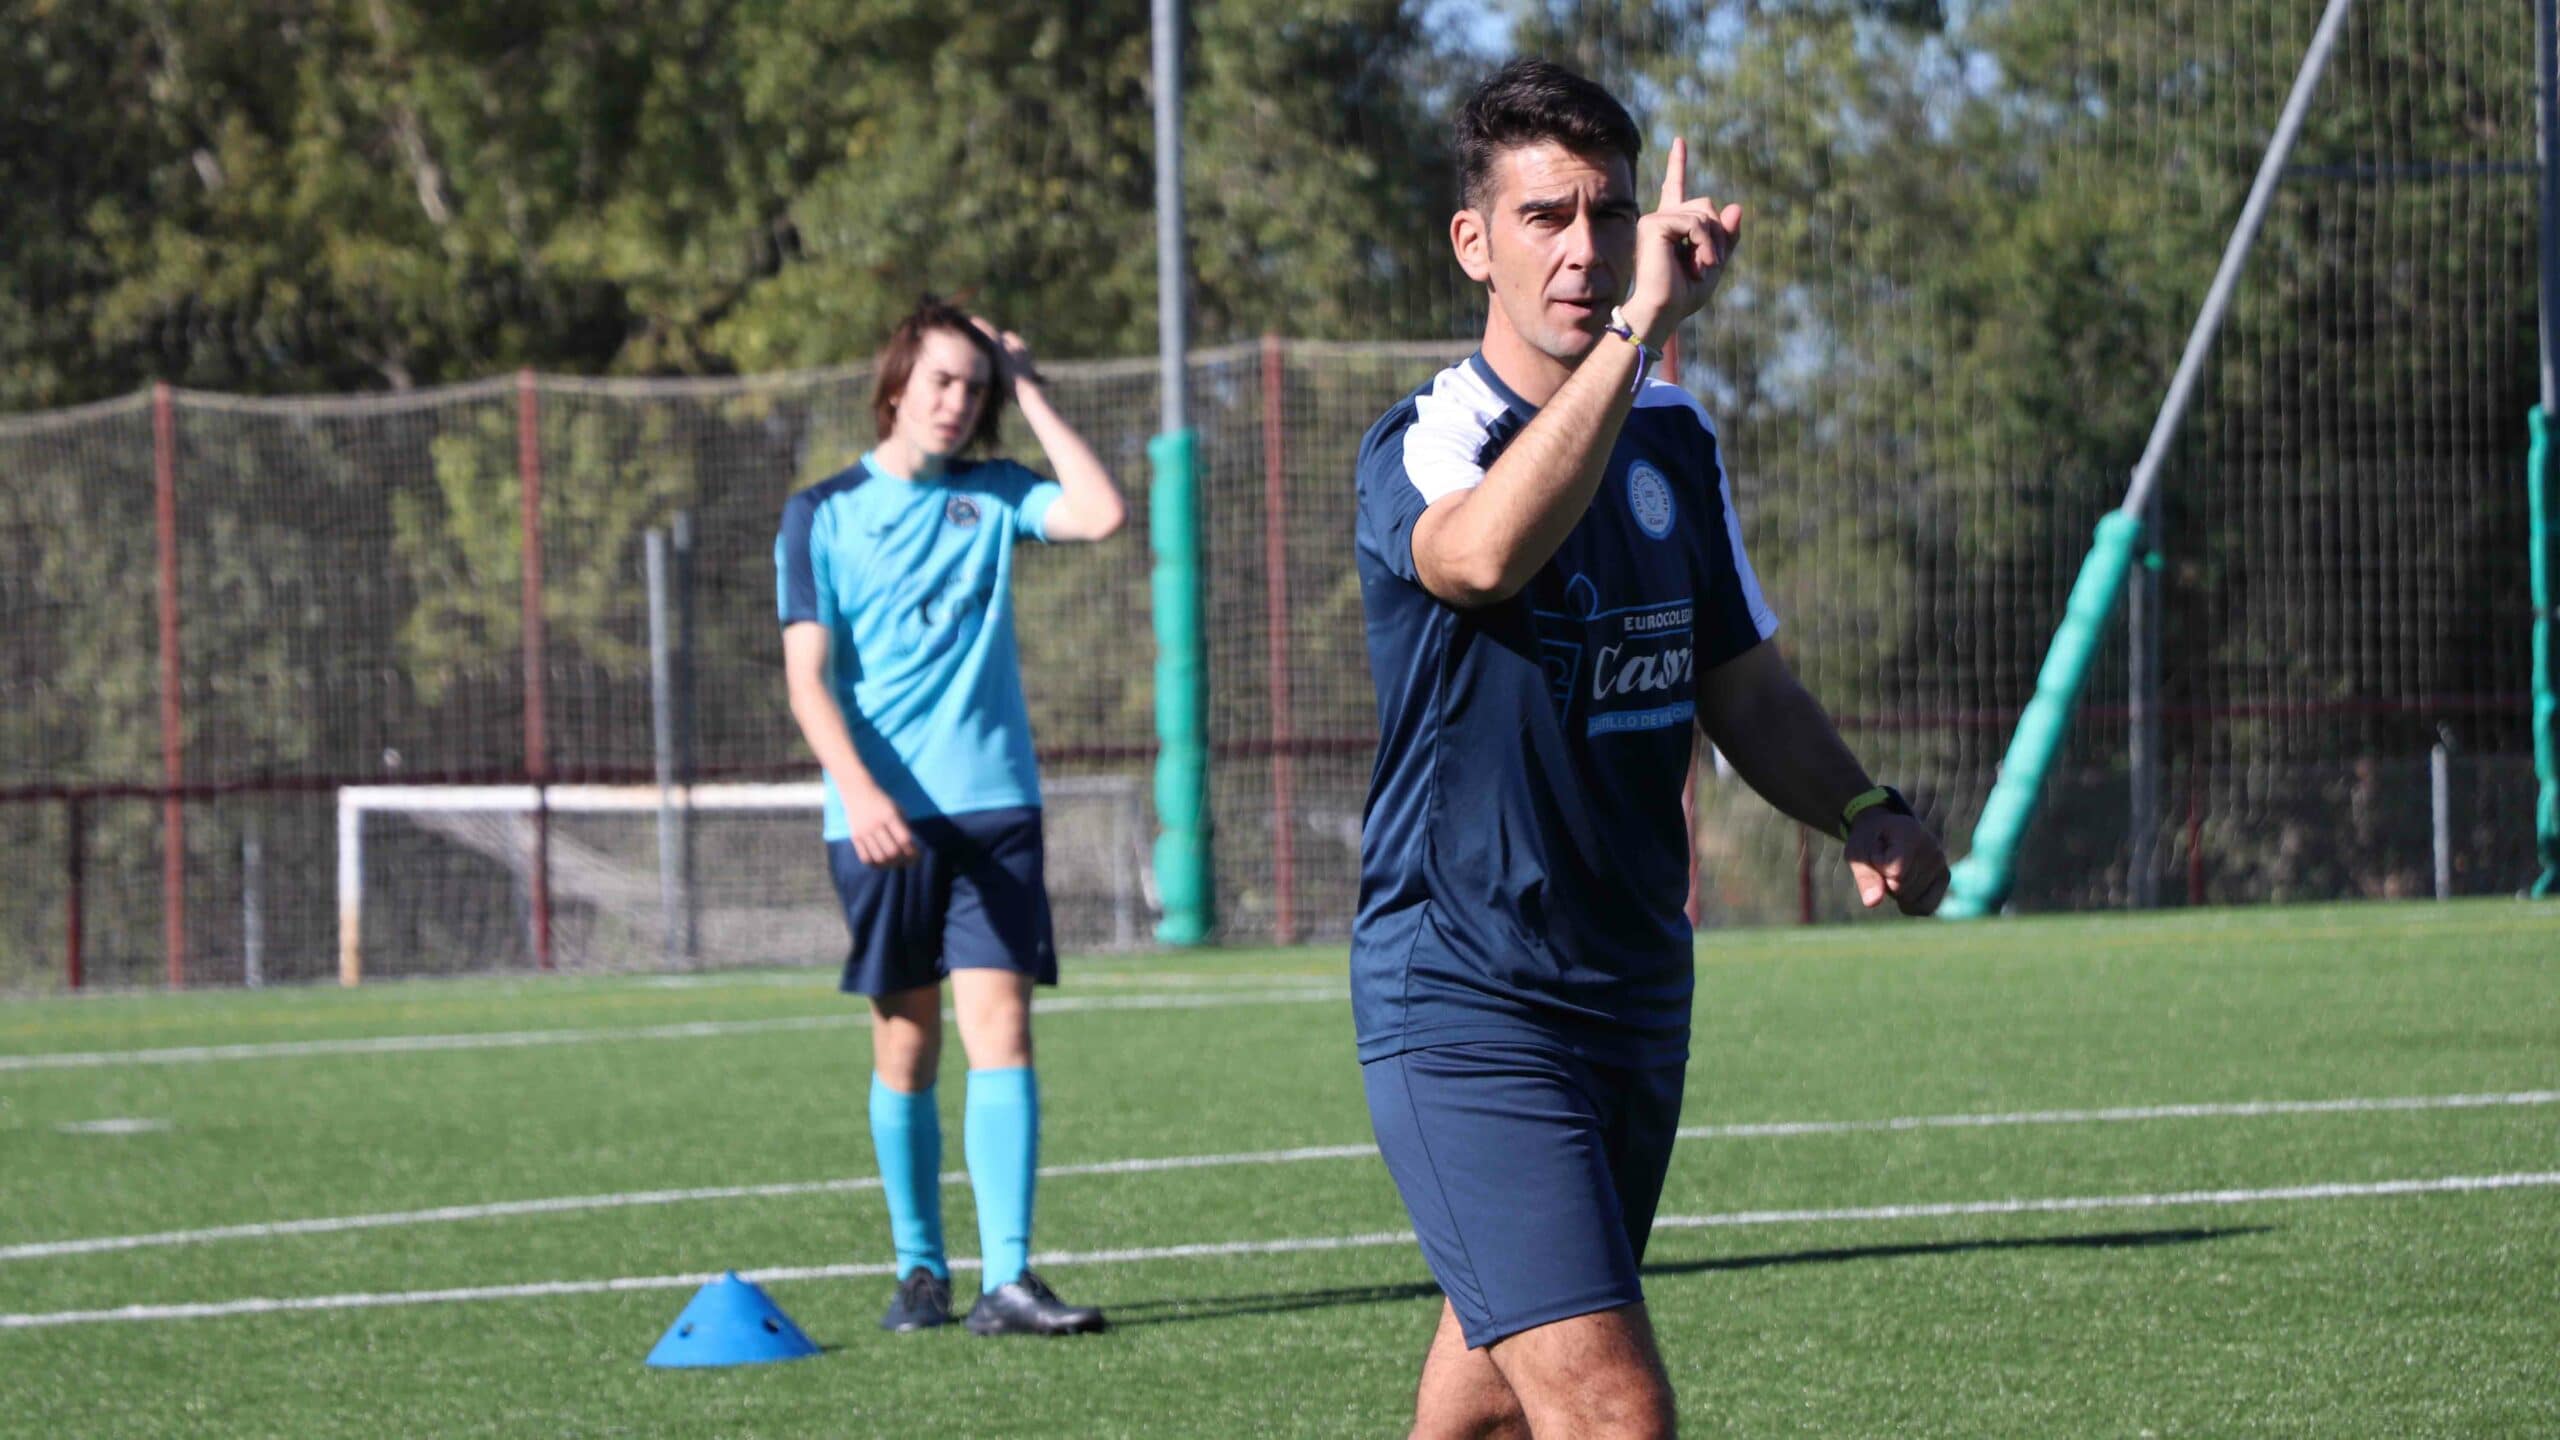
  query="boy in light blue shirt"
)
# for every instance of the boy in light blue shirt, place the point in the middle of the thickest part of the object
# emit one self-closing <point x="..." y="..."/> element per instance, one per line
<point x="895" y="591"/>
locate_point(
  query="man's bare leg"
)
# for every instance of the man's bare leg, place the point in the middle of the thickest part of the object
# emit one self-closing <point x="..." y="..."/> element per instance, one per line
<point x="1593" y="1377"/>
<point x="1463" y="1397"/>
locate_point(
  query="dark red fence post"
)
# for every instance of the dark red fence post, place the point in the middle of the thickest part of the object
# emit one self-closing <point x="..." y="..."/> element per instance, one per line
<point x="2195" y="827"/>
<point x="75" y="870"/>
<point x="1275" y="610"/>
<point x="1696" y="904"/>
<point x="173" y="772"/>
<point x="537" y="740"/>
<point x="1804" y="876"/>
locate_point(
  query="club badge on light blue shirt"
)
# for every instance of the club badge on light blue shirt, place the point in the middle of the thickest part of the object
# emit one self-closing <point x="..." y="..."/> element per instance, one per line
<point x="913" y="579"/>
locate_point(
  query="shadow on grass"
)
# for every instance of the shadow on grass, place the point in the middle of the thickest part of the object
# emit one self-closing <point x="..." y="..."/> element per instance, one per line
<point x="1220" y="1307"/>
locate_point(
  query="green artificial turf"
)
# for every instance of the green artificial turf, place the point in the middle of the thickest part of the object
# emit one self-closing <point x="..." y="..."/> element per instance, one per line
<point x="2419" y="1314"/>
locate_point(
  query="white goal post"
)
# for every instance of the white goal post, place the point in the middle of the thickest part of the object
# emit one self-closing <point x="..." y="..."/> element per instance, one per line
<point x="495" y="821"/>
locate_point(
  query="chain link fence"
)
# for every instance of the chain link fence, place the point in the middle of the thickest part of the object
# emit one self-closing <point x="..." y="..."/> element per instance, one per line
<point x="1973" y="254"/>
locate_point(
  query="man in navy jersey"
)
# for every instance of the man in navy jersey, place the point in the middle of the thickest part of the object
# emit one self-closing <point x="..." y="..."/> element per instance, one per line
<point x="1556" y="594"/>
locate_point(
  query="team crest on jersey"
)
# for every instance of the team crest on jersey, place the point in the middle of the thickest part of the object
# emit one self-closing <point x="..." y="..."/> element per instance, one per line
<point x="1649" y="497"/>
<point x="962" y="511"/>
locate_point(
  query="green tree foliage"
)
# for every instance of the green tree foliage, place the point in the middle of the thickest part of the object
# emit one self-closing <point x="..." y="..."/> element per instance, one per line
<point x="292" y="195"/>
<point x="1979" y="230"/>
<point x="1979" y="234"/>
<point x="462" y="545"/>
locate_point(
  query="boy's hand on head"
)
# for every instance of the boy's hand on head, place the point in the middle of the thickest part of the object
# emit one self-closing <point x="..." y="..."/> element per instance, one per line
<point x="1013" y="353"/>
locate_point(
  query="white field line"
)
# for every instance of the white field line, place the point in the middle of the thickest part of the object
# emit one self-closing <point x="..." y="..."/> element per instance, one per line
<point x="1082" y="980"/>
<point x="689" y="1030"/>
<point x="2227" y="1110"/>
<point x="2175" y="1199"/>
<point x="119" y="1125"/>
<point x="2452" y="1184"/>
<point x="564" y="1204"/>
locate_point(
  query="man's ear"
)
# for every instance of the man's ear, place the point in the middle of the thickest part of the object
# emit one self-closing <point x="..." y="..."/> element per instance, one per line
<point x="1473" y="245"/>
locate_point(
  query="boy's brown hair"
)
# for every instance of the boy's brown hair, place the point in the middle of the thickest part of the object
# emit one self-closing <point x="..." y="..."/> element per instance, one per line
<point x="897" y="363"/>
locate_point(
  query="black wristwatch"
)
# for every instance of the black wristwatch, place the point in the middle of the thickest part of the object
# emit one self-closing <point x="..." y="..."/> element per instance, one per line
<point x="1882" y="797"/>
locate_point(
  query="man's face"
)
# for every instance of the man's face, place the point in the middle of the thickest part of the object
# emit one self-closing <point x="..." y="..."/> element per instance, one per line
<point x="1556" y="241"/>
<point x="939" y="408"/>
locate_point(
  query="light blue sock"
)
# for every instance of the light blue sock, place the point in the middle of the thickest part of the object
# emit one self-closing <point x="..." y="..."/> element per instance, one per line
<point x="906" y="1135"/>
<point x="1002" y="1137"/>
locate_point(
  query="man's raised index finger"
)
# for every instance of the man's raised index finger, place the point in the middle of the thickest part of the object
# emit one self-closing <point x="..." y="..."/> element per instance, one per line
<point x="1674" y="187"/>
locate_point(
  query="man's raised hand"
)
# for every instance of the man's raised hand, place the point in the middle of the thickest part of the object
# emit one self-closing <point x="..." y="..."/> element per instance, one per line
<point x="1682" y="249"/>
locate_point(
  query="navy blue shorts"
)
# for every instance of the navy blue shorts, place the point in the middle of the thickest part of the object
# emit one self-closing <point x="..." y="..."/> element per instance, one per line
<point x="975" y="900"/>
<point x="1531" y="1175"/>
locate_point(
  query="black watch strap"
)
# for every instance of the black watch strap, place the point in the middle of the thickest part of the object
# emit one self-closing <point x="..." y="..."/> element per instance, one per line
<point x="1882" y="797"/>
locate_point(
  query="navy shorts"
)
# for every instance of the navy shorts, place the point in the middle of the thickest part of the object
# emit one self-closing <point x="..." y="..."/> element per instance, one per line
<point x="1531" y="1175"/>
<point x="975" y="900"/>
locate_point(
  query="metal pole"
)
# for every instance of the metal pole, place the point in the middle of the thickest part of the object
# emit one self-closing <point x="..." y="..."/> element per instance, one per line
<point x="173" y="715"/>
<point x="2440" y="810"/>
<point x="2142" y="665"/>
<point x="2546" y="14"/>
<point x="350" y="890"/>
<point x="1172" y="303"/>
<point x="662" y="718"/>
<point x="537" y="740"/>
<point x="688" y="712"/>
<point x="1186" y="865"/>
<point x="1126" y="823"/>
<point x="2545" y="555"/>
<point x="1275" y="616"/>
<point x="2235" y="255"/>
<point x="253" y="905"/>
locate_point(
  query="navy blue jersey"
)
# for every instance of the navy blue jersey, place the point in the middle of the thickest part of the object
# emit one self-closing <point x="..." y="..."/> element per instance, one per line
<point x="1523" y="860"/>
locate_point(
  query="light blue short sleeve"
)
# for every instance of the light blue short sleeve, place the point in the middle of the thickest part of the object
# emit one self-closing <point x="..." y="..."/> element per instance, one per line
<point x="1027" y="493"/>
<point x="1032" y="514"/>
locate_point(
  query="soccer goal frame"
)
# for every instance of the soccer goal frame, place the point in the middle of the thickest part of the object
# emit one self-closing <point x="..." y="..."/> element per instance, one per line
<point x="1121" y="796"/>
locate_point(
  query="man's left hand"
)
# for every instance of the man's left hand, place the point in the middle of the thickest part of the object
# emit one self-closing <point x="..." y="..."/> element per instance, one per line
<point x="1896" y="855"/>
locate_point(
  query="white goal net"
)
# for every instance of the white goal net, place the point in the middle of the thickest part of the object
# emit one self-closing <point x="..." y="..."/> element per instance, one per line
<point x="442" y="879"/>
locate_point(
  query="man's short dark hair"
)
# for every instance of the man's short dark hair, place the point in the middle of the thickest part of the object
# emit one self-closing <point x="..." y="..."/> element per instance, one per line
<point x="1528" y="102"/>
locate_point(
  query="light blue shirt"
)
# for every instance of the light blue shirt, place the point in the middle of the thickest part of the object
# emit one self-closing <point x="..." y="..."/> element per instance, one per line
<point x="914" y="581"/>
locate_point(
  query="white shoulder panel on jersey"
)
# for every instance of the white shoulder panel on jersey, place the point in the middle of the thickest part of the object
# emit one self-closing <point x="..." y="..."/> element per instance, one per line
<point x="1450" y="423"/>
<point x="1658" y="393"/>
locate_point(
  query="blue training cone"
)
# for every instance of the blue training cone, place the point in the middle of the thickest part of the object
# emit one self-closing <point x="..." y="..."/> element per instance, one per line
<point x="731" y="1322"/>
